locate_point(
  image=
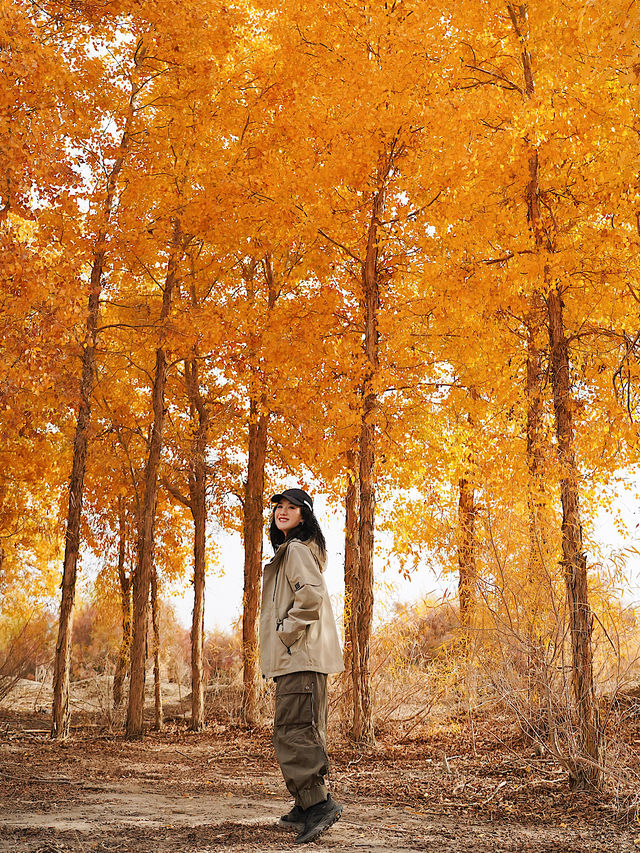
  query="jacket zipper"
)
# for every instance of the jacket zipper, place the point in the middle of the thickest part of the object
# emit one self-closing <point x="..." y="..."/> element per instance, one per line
<point x="279" y="621"/>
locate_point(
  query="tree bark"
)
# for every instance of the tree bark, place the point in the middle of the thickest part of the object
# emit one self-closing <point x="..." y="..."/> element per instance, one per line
<point x="60" y="717"/>
<point x="253" y="509"/>
<point x="466" y="550"/>
<point x="535" y="497"/>
<point x="155" y="623"/>
<point x="537" y="572"/>
<point x="142" y="575"/>
<point x="362" y="597"/>
<point x="197" y="622"/>
<point x="253" y="529"/>
<point x="587" y="770"/>
<point x="351" y="570"/>
<point x="198" y="506"/>
<point x="122" y="663"/>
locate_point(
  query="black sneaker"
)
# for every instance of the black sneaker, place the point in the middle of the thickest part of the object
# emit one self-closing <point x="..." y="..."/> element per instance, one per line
<point x="318" y="818"/>
<point x="293" y="819"/>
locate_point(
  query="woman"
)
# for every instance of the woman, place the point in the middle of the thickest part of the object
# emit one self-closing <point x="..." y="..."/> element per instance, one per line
<point x="299" y="646"/>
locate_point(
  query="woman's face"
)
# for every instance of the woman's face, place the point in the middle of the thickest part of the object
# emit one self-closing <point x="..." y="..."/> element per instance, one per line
<point x="287" y="516"/>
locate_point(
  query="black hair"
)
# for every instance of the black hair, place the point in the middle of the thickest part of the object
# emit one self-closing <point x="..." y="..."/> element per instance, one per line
<point x="307" y="530"/>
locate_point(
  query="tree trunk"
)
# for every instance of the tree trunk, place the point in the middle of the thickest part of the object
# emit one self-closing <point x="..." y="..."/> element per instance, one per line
<point x="537" y="537"/>
<point x="122" y="663"/>
<point x="535" y="608"/>
<point x="466" y="550"/>
<point x="535" y="497"/>
<point x="587" y="771"/>
<point x="253" y="531"/>
<point x="142" y="576"/>
<point x="155" y="622"/>
<point x="198" y="506"/>
<point x="60" y="717"/>
<point x="351" y="572"/>
<point x="362" y="598"/>
<point x="253" y="511"/>
<point x="197" y="623"/>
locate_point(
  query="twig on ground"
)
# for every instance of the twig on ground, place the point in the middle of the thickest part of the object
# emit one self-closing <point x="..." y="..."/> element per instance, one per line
<point x="494" y="792"/>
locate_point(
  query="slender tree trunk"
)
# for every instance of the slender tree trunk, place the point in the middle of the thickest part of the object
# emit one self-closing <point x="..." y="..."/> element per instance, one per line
<point x="60" y="713"/>
<point x="351" y="572"/>
<point x="466" y="550"/>
<point x="536" y="608"/>
<point x="536" y="573"/>
<point x="362" y="597"/>
<point x="253" y="530"/>
<point x="155" y="622"/>
<point x="122" y="663"/>
<point x="142" y="576"/>
<point x="537" y="536"/>
<point x="587" y="769"/>
<point x="535" y="498"/>
<point x="588" y="772"/>
<point x="253" y="511"/>
<point x="60" y="717"/>
<point x="198" y="506"/>
<point x="197" y="623"/>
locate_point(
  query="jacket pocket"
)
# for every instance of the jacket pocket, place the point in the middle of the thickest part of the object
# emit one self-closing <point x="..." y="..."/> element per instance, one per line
<point x="286" y="639"/>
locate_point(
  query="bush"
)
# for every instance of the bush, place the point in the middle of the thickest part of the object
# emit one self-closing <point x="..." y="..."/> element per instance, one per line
<point x="27" y="645"/>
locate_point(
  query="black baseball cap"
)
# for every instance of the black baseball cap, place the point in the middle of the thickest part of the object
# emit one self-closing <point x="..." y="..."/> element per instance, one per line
<point x="296" y="496"/>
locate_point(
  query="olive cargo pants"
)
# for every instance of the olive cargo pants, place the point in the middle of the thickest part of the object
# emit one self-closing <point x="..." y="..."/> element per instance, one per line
<point x="300" y="735"/>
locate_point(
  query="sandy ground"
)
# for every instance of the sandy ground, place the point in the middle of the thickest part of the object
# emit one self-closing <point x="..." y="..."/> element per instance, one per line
<point x="221" y="790"/>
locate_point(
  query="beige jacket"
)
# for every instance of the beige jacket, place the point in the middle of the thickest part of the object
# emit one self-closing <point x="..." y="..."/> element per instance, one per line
<point x="297" y="627"/>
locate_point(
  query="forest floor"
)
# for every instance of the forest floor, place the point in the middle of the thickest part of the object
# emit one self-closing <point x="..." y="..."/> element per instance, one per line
<point x="454" y="790"/>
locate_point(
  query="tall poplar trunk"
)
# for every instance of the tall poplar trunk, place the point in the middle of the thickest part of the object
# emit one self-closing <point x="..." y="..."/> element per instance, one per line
<point x="253" y="525"/>
<point x="197" y="621"/>
<point x="362" y="596"/>
<point x="537" y="573"/>
<point x="351" y="560"/>
<point x="198" y="506"/>
<point x="60" y="716"/>
<point x="253" y="530"/>
<point x="519" y="19"/>
<point x="466" y="550"/>
<point x="122" y="663"/>
<point x="142" y="575"/>
<point x="535" y="498"/>
<point x="588" y="771"/>
<point x="155" y="623"/>
<point x="537" y="535"/>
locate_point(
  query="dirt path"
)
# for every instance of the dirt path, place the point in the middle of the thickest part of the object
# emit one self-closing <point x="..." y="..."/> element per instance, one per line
<point x="210" y="792"/>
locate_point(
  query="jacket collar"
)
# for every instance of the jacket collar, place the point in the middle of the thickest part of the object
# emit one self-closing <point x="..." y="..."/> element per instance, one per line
<point x="282" y="550"/>
<point x="277" y="557"/>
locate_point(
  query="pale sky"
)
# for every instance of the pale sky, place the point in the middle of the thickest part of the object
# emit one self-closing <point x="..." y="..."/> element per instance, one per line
<point x="223" y="597"/>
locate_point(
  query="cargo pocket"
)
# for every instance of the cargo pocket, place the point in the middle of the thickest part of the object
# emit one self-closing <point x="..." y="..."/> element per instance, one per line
<point x="294" y="702"/>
